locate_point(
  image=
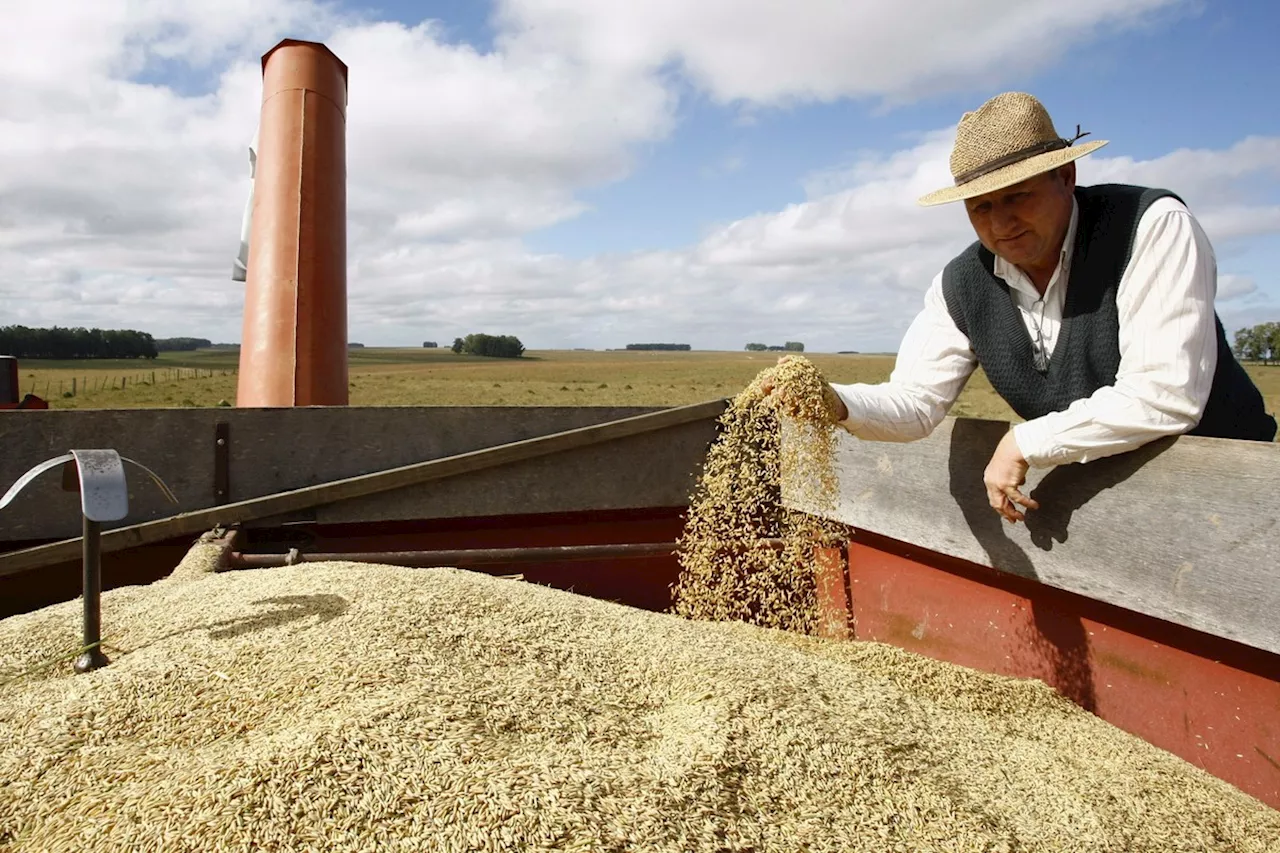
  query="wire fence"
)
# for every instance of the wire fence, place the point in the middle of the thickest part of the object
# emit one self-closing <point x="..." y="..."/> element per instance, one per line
<point x="77" y="385"/>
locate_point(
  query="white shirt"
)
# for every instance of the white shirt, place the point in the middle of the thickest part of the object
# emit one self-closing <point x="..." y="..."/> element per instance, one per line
<point x="1168" y="352"/>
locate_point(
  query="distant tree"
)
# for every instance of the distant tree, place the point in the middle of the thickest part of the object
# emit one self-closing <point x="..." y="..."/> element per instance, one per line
<point x="354" y="345"/>
<point x="430" y="345"/>
<point x="756" y="347"/>
<point x="493" y="346"/>
<point x="794" y="346"/>
<point x="1245" y="348"/>
<point x="669" y="347"/>
<point x="1258" y="343"/>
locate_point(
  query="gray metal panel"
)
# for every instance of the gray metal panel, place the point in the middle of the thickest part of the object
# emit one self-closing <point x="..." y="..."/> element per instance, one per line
<point x="20" y="485"/>
<point x="271" y="450"/>
<point x="658" y="470"/>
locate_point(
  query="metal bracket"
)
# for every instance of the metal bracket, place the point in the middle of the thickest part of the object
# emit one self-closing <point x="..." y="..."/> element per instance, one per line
<point x="221" y="464"/>
<point x="104" y="496"/>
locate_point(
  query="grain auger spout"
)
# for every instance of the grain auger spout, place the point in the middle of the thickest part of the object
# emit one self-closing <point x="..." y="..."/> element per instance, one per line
<point x="99" y="477"/>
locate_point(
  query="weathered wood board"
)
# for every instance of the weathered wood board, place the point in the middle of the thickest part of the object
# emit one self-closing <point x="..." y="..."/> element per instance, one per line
<point x="1186" y="530"/>
<point x="273" y="450"/>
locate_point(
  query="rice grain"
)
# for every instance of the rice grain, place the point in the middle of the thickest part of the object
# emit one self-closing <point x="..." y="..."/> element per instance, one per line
<point x="372" y="707"/>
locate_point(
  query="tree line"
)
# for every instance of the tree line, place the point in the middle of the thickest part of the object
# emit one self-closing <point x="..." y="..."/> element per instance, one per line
<point x="494" y="346"/>
<point x="182" y="344"/>
<point x="789" y="346"/>
<point x="1259" y="343"/>
<point x="75" y="343"/>
<point x="676" y="347"/>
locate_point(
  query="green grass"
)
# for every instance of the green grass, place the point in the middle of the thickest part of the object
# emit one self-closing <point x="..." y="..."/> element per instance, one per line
<point x="425" y="377"/>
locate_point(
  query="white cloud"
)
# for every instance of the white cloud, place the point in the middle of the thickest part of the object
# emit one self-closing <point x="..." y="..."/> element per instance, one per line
<point x="772" y="53"/>
<point x="844" y="269"/>
<point x="1232" y="287"/>
<point x="120" y="201"/>
<point x="1230" y="188"/>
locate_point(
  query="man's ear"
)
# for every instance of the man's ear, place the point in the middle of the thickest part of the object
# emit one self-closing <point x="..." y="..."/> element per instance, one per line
<point x="1067" y="174"/>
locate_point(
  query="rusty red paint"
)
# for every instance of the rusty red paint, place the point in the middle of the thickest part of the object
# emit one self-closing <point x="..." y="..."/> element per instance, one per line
<point x="30" y="401"/>
<point x="639" y="582"/>
<point x="1211" y="702"/>
<point x="835" y="610"/>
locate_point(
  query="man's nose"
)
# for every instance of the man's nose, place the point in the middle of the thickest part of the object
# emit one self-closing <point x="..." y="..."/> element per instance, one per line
<point x="1004" y="222"/>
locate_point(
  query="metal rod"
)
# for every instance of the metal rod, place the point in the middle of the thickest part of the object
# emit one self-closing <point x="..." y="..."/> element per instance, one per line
<point x="469" y="557"/>
<point x="92" y="657"/>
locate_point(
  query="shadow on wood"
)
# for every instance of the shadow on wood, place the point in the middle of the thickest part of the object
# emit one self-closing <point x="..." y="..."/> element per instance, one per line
<point x="1068" y="488"/>
<point x="972" y="444"/>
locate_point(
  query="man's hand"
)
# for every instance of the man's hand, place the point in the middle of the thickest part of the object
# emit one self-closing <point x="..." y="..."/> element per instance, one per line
<point x="1005" y="474"/>
<point x="836" y="409"/>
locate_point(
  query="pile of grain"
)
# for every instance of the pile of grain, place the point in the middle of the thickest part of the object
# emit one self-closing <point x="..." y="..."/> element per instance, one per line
<point x="343" y="707"/>
<point x="726" y="574"/>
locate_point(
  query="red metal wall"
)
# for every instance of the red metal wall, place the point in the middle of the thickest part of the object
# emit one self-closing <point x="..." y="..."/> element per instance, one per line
<point x="639" y="582"/>
<point x="1210" y="701"/>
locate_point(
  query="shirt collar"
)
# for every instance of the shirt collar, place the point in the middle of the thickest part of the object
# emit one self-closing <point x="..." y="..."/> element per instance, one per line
<point x="1016" y="278"/>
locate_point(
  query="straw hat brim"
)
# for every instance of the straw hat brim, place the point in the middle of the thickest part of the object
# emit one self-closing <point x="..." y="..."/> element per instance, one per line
<point x="1012" y="174"/>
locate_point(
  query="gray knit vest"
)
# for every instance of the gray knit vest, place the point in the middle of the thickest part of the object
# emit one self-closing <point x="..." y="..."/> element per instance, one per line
<point x="1087" y="355"/>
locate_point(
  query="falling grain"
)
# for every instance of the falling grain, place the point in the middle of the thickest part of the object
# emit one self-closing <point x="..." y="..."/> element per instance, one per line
<point x="727" y="572"/>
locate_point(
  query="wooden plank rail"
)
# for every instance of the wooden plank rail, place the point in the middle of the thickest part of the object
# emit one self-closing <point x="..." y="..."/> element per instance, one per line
<point x="1186" y="530"/>
<point x="366" y="484"/>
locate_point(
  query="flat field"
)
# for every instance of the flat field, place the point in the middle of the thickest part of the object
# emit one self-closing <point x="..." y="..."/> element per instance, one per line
<point x="437" y="377"/>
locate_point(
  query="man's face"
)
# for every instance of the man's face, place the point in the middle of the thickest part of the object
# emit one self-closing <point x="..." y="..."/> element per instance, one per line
<point x="1026" y="223"/>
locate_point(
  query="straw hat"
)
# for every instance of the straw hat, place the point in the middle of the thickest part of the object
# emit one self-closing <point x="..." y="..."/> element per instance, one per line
<point x="1006" y="140"/>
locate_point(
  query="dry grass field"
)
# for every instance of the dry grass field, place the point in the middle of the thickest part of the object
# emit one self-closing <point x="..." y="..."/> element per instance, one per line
<point x="422" y="377"/>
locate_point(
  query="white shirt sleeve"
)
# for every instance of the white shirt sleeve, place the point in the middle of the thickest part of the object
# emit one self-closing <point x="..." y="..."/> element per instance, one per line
<point x="934" y="363"/>
<point x="1168" y="350"/>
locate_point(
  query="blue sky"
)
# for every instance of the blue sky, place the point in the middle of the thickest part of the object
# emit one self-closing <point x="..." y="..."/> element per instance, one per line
<point x="581" y="173"/>
<point x="1183" y="83"/>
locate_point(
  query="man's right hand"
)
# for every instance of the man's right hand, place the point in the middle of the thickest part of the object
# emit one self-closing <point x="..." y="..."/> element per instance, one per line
<point x="835" y="407"/>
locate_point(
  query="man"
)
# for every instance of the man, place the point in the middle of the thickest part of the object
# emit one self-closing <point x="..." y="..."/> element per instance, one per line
<point x="1089" y="308"/>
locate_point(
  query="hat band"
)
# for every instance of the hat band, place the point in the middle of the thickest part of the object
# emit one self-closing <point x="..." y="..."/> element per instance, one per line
<point x="1010" y="159"/>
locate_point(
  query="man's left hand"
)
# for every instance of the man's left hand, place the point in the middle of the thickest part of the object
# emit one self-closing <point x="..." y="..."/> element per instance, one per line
<point x="1004" y="477"/>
